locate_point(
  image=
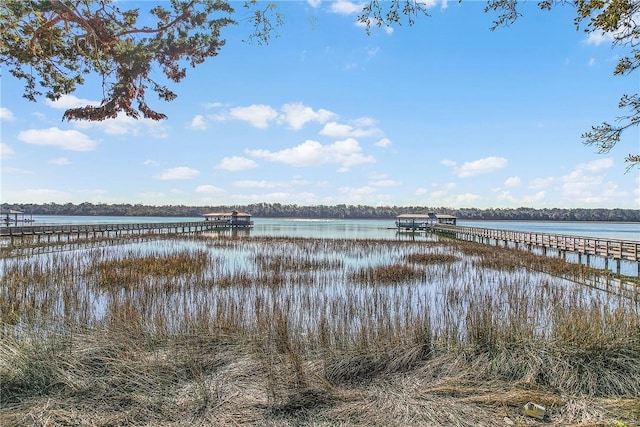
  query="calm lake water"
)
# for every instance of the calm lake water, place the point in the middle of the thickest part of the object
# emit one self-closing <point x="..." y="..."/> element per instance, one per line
<point x="371" y="229"/>
<point x="328" y="278"/>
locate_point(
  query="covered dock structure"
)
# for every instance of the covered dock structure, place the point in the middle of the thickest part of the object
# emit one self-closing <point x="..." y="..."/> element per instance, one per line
<point x="230" y="219"/>
<point x="421" y="222"/>
<point x="13" y="216"/>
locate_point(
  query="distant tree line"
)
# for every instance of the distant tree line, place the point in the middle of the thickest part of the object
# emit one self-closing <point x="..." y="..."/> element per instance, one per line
<point x="277" y="210"/>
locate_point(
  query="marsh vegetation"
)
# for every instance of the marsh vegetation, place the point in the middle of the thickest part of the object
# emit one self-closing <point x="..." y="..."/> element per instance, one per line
<point x="216" y="330"/>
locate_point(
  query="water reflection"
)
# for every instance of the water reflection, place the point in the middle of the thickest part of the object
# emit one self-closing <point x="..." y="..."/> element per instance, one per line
<point x="339" y="281"/>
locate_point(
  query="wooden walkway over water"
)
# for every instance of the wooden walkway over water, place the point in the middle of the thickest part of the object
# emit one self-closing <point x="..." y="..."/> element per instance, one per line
<point x="617" y="250"/>
<point x="64" y="232"/>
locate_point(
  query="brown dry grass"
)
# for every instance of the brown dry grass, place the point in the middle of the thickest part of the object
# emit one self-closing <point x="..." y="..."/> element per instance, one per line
<point x="295" y="335"/>
<point x="104" y="380"/>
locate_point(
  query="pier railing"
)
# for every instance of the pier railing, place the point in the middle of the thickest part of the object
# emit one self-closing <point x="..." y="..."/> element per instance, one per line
<point x="619" y="250"/>
<point x="60" y="231"/>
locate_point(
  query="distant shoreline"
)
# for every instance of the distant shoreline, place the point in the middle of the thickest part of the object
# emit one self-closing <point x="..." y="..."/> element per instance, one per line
<point x="341" y="211"/>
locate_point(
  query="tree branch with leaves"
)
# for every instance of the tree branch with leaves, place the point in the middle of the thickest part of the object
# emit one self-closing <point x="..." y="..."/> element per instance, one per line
<point x="53" y="45"/>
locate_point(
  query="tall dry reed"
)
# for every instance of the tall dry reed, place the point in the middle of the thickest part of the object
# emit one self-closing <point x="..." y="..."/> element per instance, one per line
<point x="157" y="326"/>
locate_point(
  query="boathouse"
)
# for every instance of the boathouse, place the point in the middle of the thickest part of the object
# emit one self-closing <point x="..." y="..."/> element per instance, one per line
<point x="12" y="216"/>
<point x="445" y="219"/>
<point x="423" y="221"/>
<point x="231" y="219"/>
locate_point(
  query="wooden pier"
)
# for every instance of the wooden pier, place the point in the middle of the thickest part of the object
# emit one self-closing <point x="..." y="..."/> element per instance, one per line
<point x="40" y="234"/>
<point x="616" y="250"/>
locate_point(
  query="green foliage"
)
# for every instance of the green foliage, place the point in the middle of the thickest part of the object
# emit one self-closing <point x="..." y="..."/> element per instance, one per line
<point x="278" y="210"/>
<point x="53" y="45"/>
<point x="385" y="13"/>
<point x="606" y="136"/>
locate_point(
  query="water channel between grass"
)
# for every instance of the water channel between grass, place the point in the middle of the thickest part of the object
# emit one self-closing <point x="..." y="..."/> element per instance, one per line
<point x="384" y="305"/>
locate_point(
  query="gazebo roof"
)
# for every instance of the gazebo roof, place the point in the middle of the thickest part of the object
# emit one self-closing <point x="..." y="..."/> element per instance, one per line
<point x="416" y="216"/>
<point x="234" y="213"/>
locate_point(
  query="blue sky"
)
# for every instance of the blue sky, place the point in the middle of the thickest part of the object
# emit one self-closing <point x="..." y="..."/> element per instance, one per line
<point x="444" y="113"/>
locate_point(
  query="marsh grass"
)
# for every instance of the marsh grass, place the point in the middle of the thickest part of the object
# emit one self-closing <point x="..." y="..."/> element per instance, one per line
<point x="130" y="269"/>
<point x="281" y="331"/>
<point x="387" y="274"/>
<point x="431" y="258"/>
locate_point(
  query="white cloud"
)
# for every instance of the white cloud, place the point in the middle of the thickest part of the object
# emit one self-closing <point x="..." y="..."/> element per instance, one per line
<point x="296" y="115"/>
<point x="151" y="195"/>
<point x="364" y="122"/>
<point x="258" y="115"/>
<point x="209" y="189"/>
<point x="236" y="163"/>
<point x="6" y="114"/>
<point x="269" y="184"/>
<point x="386" y="183"/>
<point x="358" y="194"/>
<point x="534" y="198"/>
<point x="314" y="3"/>
<point x="428" y="3"/>
<point x="346" y="153"/>
<point x="217" y="117"/>
<point x="587" y="186"/>
<point x="36" y="195"/>
<point x="378" y="176"/>
<point x="304" y="198"/>
<point x="596" y="165"/>
<point x="476" y="167"/>
<point x="597" y="38"/>
<point x="372" y="51"/>
<point x="198" y="123"/>
<point x="65" y="139"/>
<point x="16" y="171"/>
<point x="6" y="152"/>
<point x="541" y="182"/>
<point x="513" y="181"/>
<point x="256" y="184"/>
<point x="342" y="7"/>
<point x="210" y="105"/>
<point x="151" y="163"/>
<point x="465" y="200"/>
<point x="180" y="172"/>
<point x="70" y="101"/>
<point x="506" y="195"/>
<point x="384" y="142"/>
<point x="578" y="185"/>
<point x="338" y="130"/>
<point x="449" y="186"/>
<point x="437" y="195"/>
<point x="125" y="125"/>
<point x="60" y="161"/>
